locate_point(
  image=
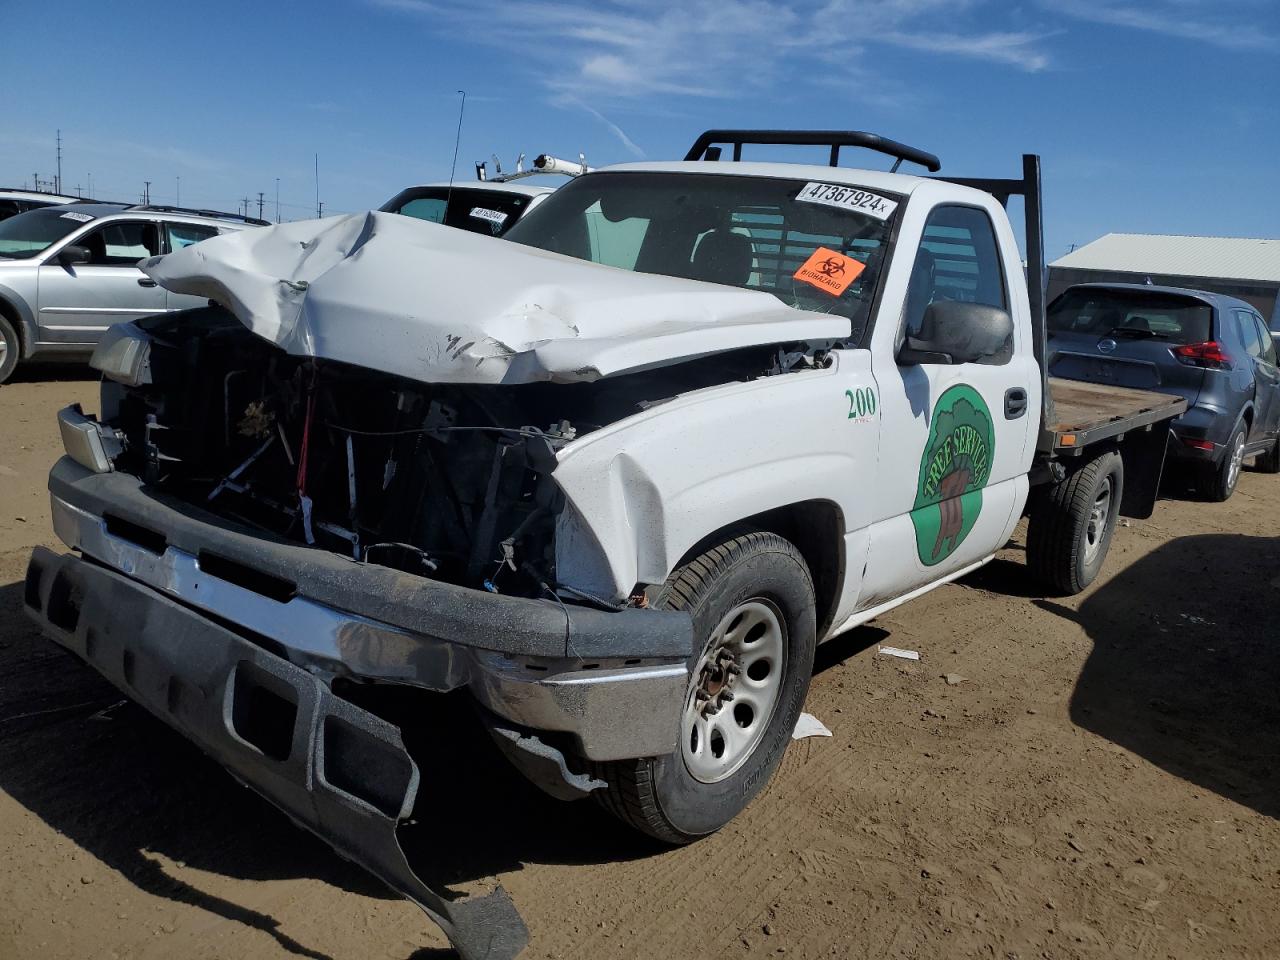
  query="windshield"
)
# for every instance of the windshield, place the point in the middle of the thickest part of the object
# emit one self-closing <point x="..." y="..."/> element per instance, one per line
<point x="1131" y="313"/>
<point x="31" y="233"/>
<point x="480" y="211"/>
<point x="815" y="246"/>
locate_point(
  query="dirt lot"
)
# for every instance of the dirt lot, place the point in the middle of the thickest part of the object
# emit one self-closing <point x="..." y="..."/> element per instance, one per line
<point x="1105" y="784"/>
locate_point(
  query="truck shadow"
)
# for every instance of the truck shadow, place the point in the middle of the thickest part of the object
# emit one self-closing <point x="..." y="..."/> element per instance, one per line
<point x="1185" y="666"/>
<point x="140" y="798"/>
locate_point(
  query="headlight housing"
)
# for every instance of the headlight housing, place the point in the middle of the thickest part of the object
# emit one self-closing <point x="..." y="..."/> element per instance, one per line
<point x="124" y="354"/>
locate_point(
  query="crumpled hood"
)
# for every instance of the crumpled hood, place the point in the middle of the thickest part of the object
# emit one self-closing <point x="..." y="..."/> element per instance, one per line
<point x="438" y="304"/>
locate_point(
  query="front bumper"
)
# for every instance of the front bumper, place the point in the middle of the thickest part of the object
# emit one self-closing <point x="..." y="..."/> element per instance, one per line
<point x="614" y="682"/>
<point x="334" y="768"/>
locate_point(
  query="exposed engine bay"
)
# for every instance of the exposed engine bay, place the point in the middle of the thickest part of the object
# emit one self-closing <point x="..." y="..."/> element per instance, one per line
<point x="447" y="481"/>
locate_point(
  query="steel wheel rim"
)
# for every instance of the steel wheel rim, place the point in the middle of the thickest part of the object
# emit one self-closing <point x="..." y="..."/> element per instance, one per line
<point x="1098" y="516"/>
<point x="733" y="691"/>
<point x="4" y="349"/>
<point x="1237" y="458"/>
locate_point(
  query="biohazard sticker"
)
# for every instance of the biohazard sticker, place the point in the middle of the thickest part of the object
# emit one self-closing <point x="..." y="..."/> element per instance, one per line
<point x="830" y="271"/>
<point x="953" y="470"/>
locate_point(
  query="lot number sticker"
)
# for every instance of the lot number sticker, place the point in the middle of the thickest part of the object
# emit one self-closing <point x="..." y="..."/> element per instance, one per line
<point x="830" y="271"/>
<point x="77" y="217"/>
<point x="496" y="217"/>
<point x="848" y="198"/>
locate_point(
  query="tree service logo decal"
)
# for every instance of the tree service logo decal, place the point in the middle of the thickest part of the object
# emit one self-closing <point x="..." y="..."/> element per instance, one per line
<point x="954" y="469"/>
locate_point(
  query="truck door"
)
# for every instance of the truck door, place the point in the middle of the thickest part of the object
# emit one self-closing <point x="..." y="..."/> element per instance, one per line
<point x="77" y="303"/>
<point x="957" y="439"/>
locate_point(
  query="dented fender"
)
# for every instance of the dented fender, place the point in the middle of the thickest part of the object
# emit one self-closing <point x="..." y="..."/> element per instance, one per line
<point x="643" y="491"/>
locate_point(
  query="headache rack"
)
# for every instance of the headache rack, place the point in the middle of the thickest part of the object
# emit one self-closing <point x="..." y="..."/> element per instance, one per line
<point x="707" y="146"/>
<point x="195" y="212"/>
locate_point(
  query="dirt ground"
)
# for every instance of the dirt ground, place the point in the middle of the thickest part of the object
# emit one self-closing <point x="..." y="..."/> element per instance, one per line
<point x="1106" y="783"/>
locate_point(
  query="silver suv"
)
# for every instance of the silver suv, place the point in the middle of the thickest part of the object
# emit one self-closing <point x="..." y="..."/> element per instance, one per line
<point x="68" y="272"/>
<point x="14" y="202"/>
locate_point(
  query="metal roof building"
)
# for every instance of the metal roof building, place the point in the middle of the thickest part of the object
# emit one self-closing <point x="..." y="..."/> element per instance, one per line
<point x="1248" y="269"/>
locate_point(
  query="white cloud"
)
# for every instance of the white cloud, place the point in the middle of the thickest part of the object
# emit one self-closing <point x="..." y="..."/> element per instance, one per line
<point x="621" y="49"/>
<point x="1219" y="23"/>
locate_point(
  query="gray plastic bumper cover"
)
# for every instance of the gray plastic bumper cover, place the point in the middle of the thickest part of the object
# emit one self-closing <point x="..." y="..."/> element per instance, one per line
<point x="336" y="769"/>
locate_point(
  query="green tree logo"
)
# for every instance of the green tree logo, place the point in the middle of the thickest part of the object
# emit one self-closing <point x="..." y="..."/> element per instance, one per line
<point x="953" y="470"/>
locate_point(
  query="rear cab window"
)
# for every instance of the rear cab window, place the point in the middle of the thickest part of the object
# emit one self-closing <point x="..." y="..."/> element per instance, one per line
<point x="490" y="212"/>
<point x="1131" y="314"/>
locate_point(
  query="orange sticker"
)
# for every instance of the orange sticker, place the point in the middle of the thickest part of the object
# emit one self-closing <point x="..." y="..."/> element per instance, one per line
<point x="830" y="271"/>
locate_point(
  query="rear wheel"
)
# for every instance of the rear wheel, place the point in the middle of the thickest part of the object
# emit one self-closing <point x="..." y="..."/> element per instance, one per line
<point x="10" y="349"/>
<point x="1217" y="481"/>
<point x="752" y="603"/>
<point x="1072" y="522"/>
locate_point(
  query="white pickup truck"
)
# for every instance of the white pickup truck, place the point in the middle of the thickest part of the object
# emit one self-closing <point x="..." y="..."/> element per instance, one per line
<point x="615" y="475"/>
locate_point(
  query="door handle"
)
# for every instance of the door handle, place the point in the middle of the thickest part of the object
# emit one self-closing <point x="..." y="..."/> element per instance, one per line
<point x="1015" y="403"/>
<point x="146" y="282"/>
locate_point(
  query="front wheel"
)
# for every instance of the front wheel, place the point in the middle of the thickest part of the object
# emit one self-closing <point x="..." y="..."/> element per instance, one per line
<point x="1269" y="462"/>
<point x="10" y="349"/>
<point x="752" y="602"/>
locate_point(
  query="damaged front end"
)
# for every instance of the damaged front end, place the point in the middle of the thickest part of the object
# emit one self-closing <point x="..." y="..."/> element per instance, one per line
<point x="296" y="502"/>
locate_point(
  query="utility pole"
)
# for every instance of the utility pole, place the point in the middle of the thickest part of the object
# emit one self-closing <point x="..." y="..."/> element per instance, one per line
<point x="319" y="205"/>
<point x="146" y="192"/>
<point x="91" y="186"/>
<point x="277" y="199"/>
<point x="78" y="193"/>
<point x="177" y="192"/>
<point x="58" y="178"/>
<point x="245" y="201"/>
<point x="259" y="204"/>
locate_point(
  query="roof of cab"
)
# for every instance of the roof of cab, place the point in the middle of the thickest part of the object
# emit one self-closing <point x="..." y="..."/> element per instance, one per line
<point x="498" y="186"/>
<point x="899" y="183"/>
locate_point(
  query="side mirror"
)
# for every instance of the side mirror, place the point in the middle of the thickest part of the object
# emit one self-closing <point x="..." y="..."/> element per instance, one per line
<point x="954" y="332"/>
<point x="73" y="253"/>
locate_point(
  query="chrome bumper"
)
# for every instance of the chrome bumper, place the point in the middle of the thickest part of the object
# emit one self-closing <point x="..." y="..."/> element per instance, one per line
<point x="614" y="708"/>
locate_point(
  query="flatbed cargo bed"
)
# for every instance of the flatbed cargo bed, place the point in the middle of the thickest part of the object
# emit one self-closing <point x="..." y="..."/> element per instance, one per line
<point x="1085" y="413"/>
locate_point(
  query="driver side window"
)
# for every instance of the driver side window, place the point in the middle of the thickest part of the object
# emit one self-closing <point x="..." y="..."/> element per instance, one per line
<point x="122" y="244"/>
<point x="958" y="260"/>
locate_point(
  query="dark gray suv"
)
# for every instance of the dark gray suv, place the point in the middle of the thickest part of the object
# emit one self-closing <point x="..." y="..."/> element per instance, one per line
<point x="1213" y="350"/>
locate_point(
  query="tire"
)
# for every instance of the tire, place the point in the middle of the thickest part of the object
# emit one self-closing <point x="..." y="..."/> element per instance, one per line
<point x="1216" y="482"/>
<point x="1269" y="462"/>
<point x="732" y="590"/>
<point x="10" y="349"/>
<point x="1065" y="545"/>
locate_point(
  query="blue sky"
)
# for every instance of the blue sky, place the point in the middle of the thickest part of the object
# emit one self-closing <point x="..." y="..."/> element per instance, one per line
<point x="1155" y="116"/>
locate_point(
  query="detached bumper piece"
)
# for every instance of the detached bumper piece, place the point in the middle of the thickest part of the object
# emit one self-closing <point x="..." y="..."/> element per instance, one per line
<point x="338" y="770"/>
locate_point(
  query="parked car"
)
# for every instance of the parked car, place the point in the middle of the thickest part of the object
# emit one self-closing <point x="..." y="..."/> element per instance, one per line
<point x="614" y="477"/>
<point x="68" y="272"/>
<point x="491" y="207"/>
<point x="14" y="202"/>
<point x="1213" y="350"/>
